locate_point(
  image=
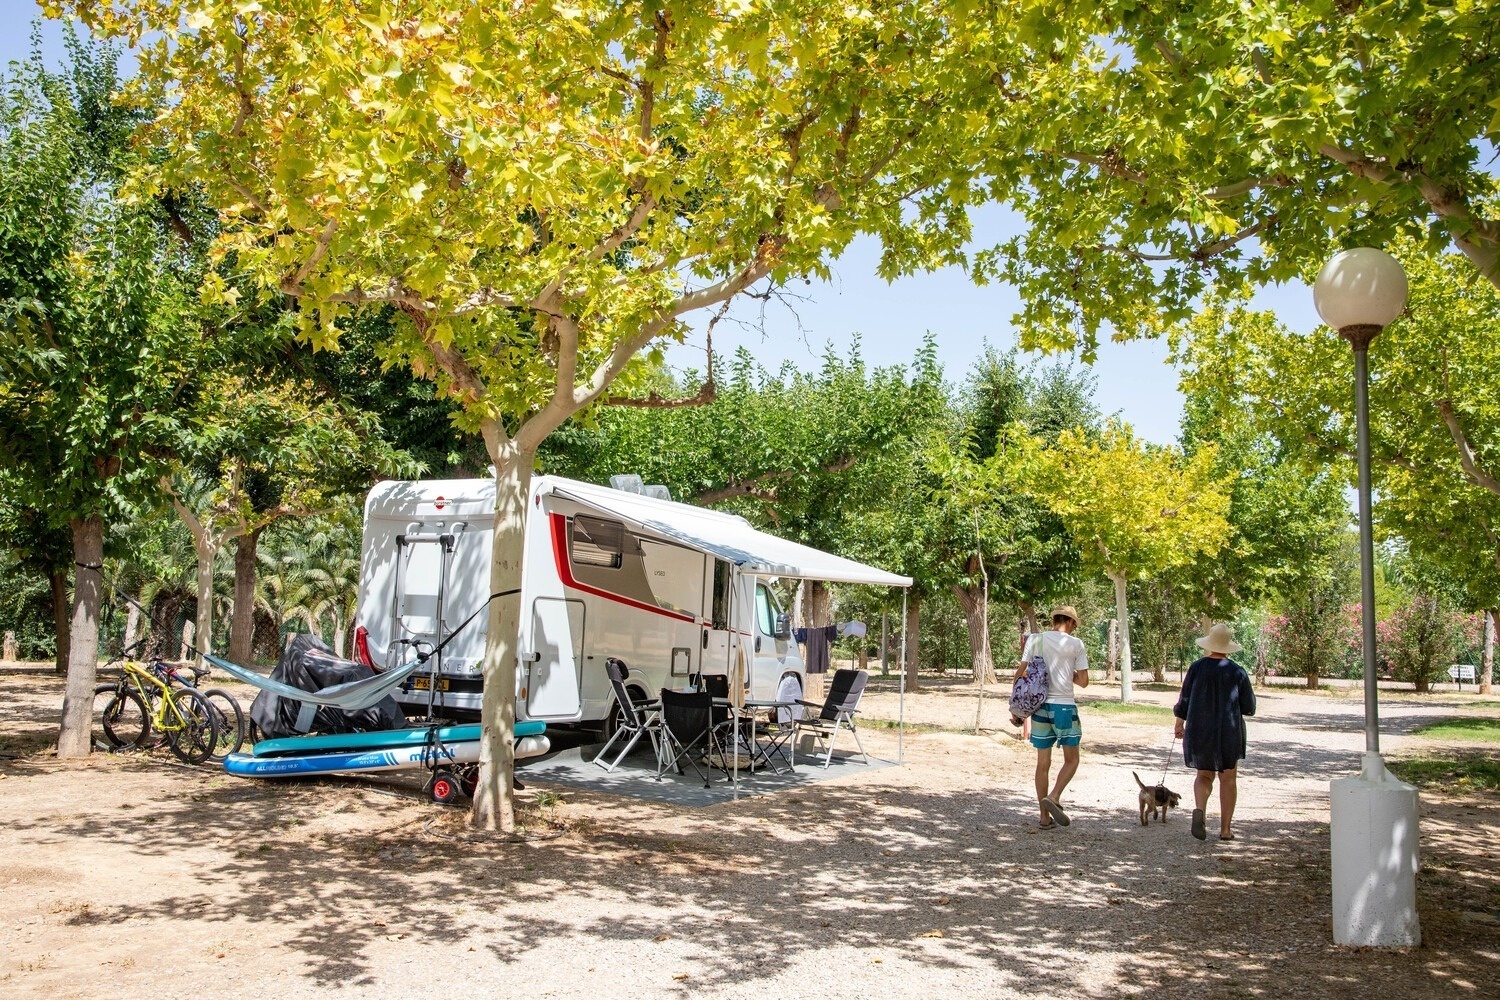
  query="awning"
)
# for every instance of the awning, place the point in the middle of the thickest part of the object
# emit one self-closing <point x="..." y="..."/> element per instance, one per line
<point x="724" y="536"/>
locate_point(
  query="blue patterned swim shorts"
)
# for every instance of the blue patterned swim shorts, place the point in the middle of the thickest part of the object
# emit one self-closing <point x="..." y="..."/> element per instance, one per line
<point x="1054" y="725"/>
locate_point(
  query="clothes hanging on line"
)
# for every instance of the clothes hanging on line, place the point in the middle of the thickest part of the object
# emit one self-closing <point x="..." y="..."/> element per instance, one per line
<point x="815" y="642"/>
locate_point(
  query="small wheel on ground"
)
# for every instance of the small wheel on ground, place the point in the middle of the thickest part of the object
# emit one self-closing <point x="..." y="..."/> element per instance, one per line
<point x="444" y="788"/>
<point x="231" y="720"/>
<point x="122" y="717"/>
<point x="468" y="779"/>
<point x="195" y="730"/>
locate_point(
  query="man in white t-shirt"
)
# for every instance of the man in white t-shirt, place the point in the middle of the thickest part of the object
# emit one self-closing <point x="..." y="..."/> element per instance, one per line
<point x="1056" y="722"/>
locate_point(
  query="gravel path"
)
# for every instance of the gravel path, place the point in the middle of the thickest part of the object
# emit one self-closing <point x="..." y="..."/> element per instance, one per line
<point x="926" y="879"/>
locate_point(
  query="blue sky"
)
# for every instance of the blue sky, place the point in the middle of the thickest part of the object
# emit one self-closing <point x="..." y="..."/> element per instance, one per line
<point x="890" y="318"/>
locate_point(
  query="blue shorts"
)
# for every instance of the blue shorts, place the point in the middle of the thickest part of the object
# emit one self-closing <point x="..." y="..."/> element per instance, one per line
<point x="1055" y="725"/>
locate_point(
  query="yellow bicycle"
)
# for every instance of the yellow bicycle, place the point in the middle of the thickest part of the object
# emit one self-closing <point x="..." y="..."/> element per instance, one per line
<point x="142" y="702"/>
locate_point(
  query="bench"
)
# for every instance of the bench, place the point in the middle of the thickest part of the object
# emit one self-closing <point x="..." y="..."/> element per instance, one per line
<point x="1461" y="672"/>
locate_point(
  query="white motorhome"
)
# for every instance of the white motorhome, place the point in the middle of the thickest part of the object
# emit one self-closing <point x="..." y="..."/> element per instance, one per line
<point x="671" y="589"/>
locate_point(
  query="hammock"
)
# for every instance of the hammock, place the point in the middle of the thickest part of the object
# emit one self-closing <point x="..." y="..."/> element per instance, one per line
<point x="350" y="696"/>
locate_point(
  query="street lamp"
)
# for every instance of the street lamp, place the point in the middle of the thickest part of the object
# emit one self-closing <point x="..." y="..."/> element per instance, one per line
<point x="1373" y="817"/>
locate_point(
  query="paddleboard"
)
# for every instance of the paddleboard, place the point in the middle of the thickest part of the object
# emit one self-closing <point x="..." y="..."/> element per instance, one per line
<point x="245" y="765"/>
<point x="390" y="739"/>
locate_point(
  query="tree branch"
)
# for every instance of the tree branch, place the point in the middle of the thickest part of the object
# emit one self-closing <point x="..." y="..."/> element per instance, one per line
<point x="755" y="485"/>
<point x="1478" y="476"/>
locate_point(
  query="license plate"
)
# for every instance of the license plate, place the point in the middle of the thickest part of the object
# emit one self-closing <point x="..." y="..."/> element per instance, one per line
<point x="425" y="683"/>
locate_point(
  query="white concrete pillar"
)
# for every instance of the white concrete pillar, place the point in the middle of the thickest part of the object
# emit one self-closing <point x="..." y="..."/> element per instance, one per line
<point x="1373" y="828"/>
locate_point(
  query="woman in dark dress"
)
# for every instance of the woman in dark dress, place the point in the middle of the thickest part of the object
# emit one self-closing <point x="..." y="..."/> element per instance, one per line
<point x="1211" y="710"/>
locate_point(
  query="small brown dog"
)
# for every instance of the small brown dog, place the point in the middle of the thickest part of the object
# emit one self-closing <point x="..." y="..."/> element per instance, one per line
<point x="1155" y="799"/>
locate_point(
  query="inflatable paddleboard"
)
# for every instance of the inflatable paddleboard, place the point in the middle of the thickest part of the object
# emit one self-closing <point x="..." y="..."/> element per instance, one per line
<point x="392" y="739"/>
<point x="360" y="761"/>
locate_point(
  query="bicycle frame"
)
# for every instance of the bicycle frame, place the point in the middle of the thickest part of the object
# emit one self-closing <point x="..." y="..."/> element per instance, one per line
<point x="158" y="696"/>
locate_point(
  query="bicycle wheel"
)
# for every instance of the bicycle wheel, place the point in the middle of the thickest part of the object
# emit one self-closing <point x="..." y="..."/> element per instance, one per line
<point x="192" y="729"/>
<point x="122" y="717"/>
<point x="230" y="719"/>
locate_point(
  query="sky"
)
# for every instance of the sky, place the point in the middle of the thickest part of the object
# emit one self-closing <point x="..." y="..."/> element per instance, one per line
<point x="1134" y="379"/>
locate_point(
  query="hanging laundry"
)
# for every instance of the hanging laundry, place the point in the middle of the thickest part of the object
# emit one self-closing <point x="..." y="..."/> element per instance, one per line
<point x="815" y="642"/>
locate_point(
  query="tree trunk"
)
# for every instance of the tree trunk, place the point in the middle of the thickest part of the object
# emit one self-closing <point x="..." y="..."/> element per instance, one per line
<point x="1112" y="650"/>
<point x="494" y="798"/>
<point x="242" y="618"/>
<point x="1312" y="680"/>
<point x="913" y="640"/>
<point x="818" y="613"/>
<point x="1487" y="655"/>
<point x="189" y="630"/>
<point x="1030" y="613"/>
<point x="885" y="644"/>
<point x="132" y="628"/>
<point x="1122" y="616"/>
<point x="204" y="624"/>
<point x="74" y="738"/>
<point x="982" y="660"/>
<point x="60" y="626"/>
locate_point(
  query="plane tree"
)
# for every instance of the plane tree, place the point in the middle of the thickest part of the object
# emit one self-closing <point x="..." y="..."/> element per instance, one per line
<point x="1176" y="147"/>
<point x="1134" y="510"/>
<point x="544" y="191"/>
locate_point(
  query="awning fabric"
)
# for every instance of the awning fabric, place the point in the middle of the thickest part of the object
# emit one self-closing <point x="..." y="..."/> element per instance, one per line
<point x="725" y="536"/>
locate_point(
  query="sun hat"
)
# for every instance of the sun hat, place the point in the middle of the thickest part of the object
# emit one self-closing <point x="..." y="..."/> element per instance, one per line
<point x="1218" y="640"/>
<point x="1065" y="611"/>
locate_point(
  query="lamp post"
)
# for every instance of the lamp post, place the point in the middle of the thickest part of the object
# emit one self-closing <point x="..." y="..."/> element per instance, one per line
<point x="1373" y="817"/>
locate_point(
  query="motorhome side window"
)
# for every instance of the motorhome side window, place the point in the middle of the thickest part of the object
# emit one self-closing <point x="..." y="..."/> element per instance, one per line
<point x="598" y="542"/>
<point x="765" y="610"/>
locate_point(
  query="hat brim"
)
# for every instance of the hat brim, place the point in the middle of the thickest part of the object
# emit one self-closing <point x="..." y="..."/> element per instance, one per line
<point x="1202" y="643"/>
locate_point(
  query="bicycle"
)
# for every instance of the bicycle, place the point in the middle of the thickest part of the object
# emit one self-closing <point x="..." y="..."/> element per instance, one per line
<point x="142" y="701"/>
<point x="226" y="707"/>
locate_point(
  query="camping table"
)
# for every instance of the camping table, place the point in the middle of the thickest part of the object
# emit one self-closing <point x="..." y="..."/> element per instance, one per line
<point x="745" y="713"/>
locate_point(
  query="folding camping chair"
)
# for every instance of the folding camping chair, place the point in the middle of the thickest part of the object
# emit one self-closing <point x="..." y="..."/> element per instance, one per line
<point x="686" y="731"/>
<point x="637" y="719"/>
<point x="837" y="711"/>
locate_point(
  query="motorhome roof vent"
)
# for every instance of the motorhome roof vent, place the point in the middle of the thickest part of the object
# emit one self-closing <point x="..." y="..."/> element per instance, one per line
<point x="633" y="484"/>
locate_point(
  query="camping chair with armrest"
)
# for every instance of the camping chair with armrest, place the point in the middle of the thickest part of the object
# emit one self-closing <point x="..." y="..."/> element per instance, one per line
<point x="837" y="711"/>
<point x="686" y="731"/>
<point x="637" y="718"/>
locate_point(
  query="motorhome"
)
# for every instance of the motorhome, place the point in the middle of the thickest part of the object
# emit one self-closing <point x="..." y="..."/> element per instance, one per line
<point x="671" y="589"/>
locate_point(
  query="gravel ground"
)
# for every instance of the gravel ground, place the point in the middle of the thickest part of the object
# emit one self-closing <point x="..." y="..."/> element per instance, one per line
<point x="128" y="874"/>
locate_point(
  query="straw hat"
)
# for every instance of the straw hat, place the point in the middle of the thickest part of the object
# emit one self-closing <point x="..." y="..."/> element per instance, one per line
<point x="1218" y="640"/>
<point x="1065" y="611"/>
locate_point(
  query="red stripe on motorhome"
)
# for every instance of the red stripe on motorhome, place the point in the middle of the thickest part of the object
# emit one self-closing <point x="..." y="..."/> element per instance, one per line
<point x="565" y="573"/>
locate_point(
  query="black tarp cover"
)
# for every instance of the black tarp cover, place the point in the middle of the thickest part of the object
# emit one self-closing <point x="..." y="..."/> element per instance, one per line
<point x="308" y="664"/>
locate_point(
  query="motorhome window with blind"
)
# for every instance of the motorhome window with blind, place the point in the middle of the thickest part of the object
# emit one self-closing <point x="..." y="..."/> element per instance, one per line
<point x="598" y="542"/>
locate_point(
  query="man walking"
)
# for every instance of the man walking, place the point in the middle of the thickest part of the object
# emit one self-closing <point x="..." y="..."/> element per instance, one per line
<point x="1056" y="722"/>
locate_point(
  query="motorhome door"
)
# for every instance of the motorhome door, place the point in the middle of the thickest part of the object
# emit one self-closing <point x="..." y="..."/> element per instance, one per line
<point x="554" y="677"/>
<point x="717" y="634"/>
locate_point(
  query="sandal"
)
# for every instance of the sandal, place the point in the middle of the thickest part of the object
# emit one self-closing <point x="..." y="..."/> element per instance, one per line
<point x="1226" y="836"/>
<point x="1200" y="828"/>
<point x="1055" y="811"/>
<point x="1049" y="825"/>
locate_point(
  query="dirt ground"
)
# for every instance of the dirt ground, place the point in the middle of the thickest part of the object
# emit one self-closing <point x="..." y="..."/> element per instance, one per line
<point x="130" y="875"/>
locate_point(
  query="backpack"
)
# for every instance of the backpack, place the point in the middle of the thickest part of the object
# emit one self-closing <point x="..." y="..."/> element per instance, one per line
<point x="1029" y="692"/>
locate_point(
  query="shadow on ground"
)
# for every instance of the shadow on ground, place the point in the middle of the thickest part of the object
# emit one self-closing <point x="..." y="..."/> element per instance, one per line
<point x="948" y="880"/>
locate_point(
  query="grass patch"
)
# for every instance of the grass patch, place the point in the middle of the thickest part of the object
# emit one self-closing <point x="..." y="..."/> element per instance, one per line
<point x="1487" y="730"/>
<point x="1130" y="711"/>
<point x="1475" y="773"/>
<point x="911" y="727"/>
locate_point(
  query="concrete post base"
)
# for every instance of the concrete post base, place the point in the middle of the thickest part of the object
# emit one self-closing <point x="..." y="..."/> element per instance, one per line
<point x="1374" y="836"/>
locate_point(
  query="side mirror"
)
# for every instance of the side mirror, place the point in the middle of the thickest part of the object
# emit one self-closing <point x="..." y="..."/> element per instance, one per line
<point x="783" y="626"/>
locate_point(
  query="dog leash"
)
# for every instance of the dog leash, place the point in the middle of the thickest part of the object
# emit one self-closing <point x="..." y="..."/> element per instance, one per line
<point x="1168" y="764"/>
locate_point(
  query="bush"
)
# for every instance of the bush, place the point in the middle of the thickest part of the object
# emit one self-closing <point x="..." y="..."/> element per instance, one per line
<point x="1425" y="635"/>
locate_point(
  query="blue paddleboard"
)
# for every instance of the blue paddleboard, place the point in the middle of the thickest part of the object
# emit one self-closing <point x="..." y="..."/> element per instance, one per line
<point x="391" y="739"/>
